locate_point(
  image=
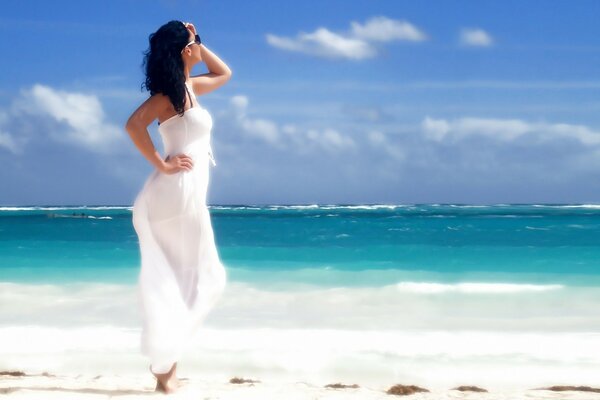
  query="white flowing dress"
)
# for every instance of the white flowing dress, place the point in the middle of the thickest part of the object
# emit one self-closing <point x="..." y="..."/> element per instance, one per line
<point x="181" y="275"/>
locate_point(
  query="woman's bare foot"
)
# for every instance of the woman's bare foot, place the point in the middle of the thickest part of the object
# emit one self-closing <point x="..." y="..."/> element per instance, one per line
<point x="167" y="382"/>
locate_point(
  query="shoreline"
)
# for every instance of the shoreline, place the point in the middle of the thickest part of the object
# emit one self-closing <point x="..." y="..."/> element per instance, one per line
<point x="48" y="385"/>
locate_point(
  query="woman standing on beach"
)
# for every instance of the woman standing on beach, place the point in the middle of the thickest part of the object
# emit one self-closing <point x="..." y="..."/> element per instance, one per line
<point x="181" y="276"/>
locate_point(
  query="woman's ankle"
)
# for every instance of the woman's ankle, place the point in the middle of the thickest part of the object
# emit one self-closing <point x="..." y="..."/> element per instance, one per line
<point x="171" y="371"/>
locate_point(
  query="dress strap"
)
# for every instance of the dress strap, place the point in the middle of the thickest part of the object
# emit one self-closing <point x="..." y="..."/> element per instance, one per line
<point x="192" y="103"/>
<point x="210" y="154"/>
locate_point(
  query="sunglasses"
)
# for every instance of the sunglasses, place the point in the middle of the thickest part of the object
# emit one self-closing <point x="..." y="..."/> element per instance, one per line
<point x="196" y="40"/>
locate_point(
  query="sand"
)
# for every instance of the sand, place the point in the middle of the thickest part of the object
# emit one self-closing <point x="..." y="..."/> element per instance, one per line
<point x="50" y="386"/>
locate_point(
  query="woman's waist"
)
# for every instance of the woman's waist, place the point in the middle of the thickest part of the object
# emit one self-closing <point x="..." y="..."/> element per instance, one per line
<point x="194" y="150"/>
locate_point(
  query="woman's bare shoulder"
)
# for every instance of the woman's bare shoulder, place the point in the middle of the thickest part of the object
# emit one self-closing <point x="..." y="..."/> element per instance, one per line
<point x="157" y="104"/>
<point x="158" y="99"/>
<point x="154" y="107"/>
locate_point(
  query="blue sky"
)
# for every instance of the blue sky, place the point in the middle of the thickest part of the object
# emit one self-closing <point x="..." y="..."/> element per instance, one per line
<point x="330" y="101"/>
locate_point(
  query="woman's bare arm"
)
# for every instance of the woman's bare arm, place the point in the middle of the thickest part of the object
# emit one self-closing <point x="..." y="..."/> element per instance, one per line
<point x="214" y="64"/>
<point x="219" y="73"/>
<point x="137" y="128"/>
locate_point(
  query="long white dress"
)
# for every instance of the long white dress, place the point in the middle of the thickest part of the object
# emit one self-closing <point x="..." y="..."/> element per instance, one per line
<point x="181" y="276"/>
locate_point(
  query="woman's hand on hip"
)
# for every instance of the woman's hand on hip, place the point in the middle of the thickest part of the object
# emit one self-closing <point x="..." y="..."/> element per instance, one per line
<point x="173" y="165"/>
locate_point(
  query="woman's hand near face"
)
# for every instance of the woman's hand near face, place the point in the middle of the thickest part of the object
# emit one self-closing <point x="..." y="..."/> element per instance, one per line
<point x="190" y="27"/>
<point x="181" y="162"/>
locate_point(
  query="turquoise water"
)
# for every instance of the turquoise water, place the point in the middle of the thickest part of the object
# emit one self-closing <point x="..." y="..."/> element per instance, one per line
<point x="499" y="295"/>
<point x="329" y="245"/>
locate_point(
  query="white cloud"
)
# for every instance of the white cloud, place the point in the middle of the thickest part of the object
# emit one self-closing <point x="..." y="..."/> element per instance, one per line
<point x="81" y="116"/>
<point x="324" y="43"/>
<point x="384" y="29"/>
<point x="262" y="128"/>
<point x="379" y="140"/>
<point x="328" y="139"/>
<point x="506" y="130"/>
<point x="354" y="45"/>
<point x="7" y="141"/>
<point x="332" y="140"/>
<point x="376" y="138"/>
<point x="435" y="129"/>
<point x="475" y="37"/>
<point x="254" y="127"/>
<point x="287" y="135"/>
<point x="240" y="102"/>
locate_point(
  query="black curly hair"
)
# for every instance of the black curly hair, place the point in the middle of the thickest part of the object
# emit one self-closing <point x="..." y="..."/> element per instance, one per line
<point x="163" y="64"/>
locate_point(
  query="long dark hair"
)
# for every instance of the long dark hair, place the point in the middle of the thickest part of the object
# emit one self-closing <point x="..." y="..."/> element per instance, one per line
<point x="163" y="64"/>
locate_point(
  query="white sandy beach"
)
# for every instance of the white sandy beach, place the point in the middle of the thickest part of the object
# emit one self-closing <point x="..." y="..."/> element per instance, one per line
<point x="82" y="341"/>
<point x="46" y="386"/>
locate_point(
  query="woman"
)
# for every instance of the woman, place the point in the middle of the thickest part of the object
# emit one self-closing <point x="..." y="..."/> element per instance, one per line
<point x="181" y="276"/>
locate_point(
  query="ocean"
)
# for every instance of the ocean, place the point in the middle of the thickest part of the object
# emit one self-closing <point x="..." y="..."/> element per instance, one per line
<point x="502" y="295"/>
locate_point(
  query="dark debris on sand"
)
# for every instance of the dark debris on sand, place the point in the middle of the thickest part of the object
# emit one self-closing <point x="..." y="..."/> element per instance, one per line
<point x="470" y="389"/>
<point x="242" y="380"/>
<point x="341" y="386"/>
<point x="12" y="373"/>
<point x="574" y="388"/>
<point x="403" y="390"/>
<point x="21" y="373"/>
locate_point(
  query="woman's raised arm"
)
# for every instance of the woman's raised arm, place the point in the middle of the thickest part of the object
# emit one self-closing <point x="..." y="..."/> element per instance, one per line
<point x="219" y="73"/>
